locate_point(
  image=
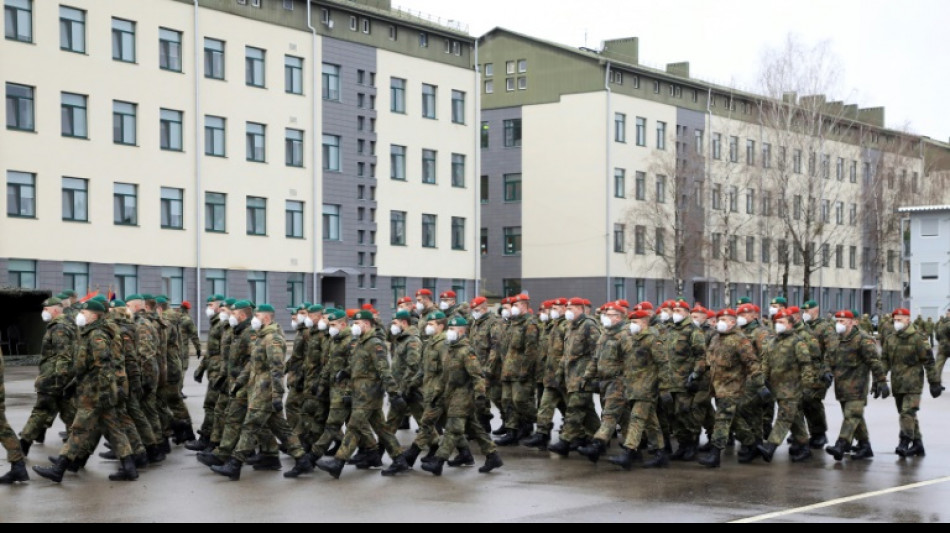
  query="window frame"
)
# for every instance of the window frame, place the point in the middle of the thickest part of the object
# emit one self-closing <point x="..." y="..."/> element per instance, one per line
<point x="512" y="235"/>
<point x="294" y="218"/>
<point x="458" y="107"/>
<point x="166" y="49"/>
<point x="458" y="234"/>
<point x="167" y="204"/>
<point x="214" y="59"/>
<point x="74" y="110"/>
<point x="331" y="83"/>
<point x="294" y="147"/>
<point x="430" y="231"/>
<point x="293" y="74"/>
<point x="430" y="94"/>
<point x="458" y="171"/>
<point x="397" y="228"/>
<point x="214" y="208"/>
<point x="513" y="188"/>
<point x="256" y="216"/>
<point x="15" y="12"/>
<point x="16" y="189"/>
<point x="74" y="195"/>
<point x="19" y="102"/>
<point x="167" y="129"/>
<point x="332" y="153"/>
<point x="254" y="66"/>
<point x="397" y="95"/>
<point x="214" y="132"/>
<point x="69" y="28"/>
<point x="122" y="38"/>
<point x="513" y="133"/>
<point x="256" y="142"/>
<point x="121" y="207"/>
<point x="123" y="122"/>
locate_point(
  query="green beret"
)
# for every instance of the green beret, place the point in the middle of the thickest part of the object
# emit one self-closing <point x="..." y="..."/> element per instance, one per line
<point x="242" y="304"/>
<point x="134" y="297"/>
<point x="305" y="306"/>
<point x="266" y="308"/>
<point x="93" y="305"/>
<point x="780" y="301"/>
<point x="743" y="301"/>
<point x="458" y="322"/>
<point x="230" y="302"/>
<point x="53" y="302"/>
<point x="334" y="315"/>
<point x="855" y="313"/>
<point x="101" y="299"/>
<point x="211" y="300"/>
<point x="118" y="304"/>
<point x="315" y="309"/>
<point x="70" y="294"/>
<point x="162" y="296"/>
<point x="364" y="315"/>
<point x="62" y="296"/>
<point x="810" y="304"/>
<point x="148" y="297"/>
<point x="161" y="300"/>
<point x="403" y="315"/>
<point x="438" y="315"/>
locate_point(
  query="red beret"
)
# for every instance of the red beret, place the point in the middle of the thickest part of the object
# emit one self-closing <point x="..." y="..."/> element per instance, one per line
<point x="646" y="306"/>
<point x="758" y="310"/>
<point x="505" y="301"/>
<point x="546" y="304"/>
<point x="745" y="309"/>
<point x="845" y="314"/>
<point x="478" y="302"/>
<point x="424" y="292"/>
<point x="367" y="307"/>
<point x="638" y="315"/>
<point x="404" y="300"/>
<point x="622" y="303"/>
<point x="523" y="297"/>
<point x="350" y="313"/>
<point x="901" y="312"/>
<point x="794" y="310"/>
<point x="784" y="313"/>
<point x="577" y="302"/>
<point x="186" y="305"/>
<point x="710" y="314"/>
<point x="448" y="295"/>
<point x="669" y="304"/>
<point x="587" y="302"/>
<point x="681" y="304"/>
<point x="699" y="309"/>
<point x="559" y="301"/>
<point x="612" y="307"/>
<point x="726" y="312"/>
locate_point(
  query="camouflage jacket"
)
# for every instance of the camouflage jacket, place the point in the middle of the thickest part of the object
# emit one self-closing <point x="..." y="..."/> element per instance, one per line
<point x="553" y="350"/>
<point x="370" y="373"/>
<point x="173" y="363"/>
<point x="146" y="347"/>
<point x="851" y="364"/>
<point x="580" y="346"/>
<point x="161" y="347"/>
<point x="462" y="380"/>
<point x="265" y="369"/>
<point x="95" y="367"/>
<point x="787" y="367"/>
<point x="641" y="366"/>
<point x="732" y="365"/>
<point x="907" y="355"/>
<point x="133" y="369"/>
<point x="814" y="348"/>
<point x="189" y="335"/>
<point x="118" y="355"/>
<point x="484" y="336"/>
<point x="943" y="335"/>
<point x="826" y="335"/>
<point x="212" y="359"/>
<point x="239" y="354"/>
<point x="759" y="335"/>
<point x="429" y="377"/>
<point x="315" y="359"/>
<point x="337" y="358"/>
<point x="227" y="337"/>
<point x="608" y="363"/>
<point x="298" y="355"/>
<point x="56" y="358"/>
<point x="406" y="360"/>
<point x="3" y="391"/>
<point x="521" y="357"/>
<point x="423" y="320"/>
<point x="885" y="330"/>
<point x="684" y="346"/>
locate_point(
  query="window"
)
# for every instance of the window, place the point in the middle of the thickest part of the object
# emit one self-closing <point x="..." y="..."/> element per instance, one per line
<point x="734" y="149"/>
<point x="717" y="197"/>
<point x="767" y="251"/>
<point x="214" y="59"/>
<point x="717" y="146"/>
<point x="826" y="211"/>
<point x="797" y="207"/>
<point x="661" y="135"/>
<point x="429" y="101"/>
<point x="125" y="204"/>
<point x="733" y="248"/>
<point x="483" y="245"/>
<point x="700" y="145"/>
<point x="170" y="129"/>
<point x="293" y="75"/>
<point x="510" y="67"/>
<point x="397" y="94"/>
<point x="256" y="142"/>
<point x="797" y="161"/>
<point x="429" y="158"/>
<point x="656" y="87"/>
<point x="215" y="136"/>
<point x="367" y="26"/>
<point x="826" y="166"/>
<point x="620" y="183"/>
<point x="458" y="233"/>
<point x="891" y="256"/>
<point x="215" y="212"/>
<point x="295" y="290"/>
<point x="173" y="284"/>
<point x="126" y="280"/>
<point x="511" y="287"/>
<point x="839" y="256"/>
<point x="733" y="199"/>
<point x="812" y="164"/>
<point x="257" y="286"/>
<point x="512" y="240"/>
<point x="331" y="153"/>
<point x="930" y="271"/>
<point x="750" y="202"/>
<point x="397" y="228"/>
<point x="124" y="123"/>
<point x="641" y="186"/>
<point x="458" y="171"/>
<point x="21" y="194"/>
<point x="825" y="255"/>
<point x="620" y="127"/>
<point x="169" y="50"/>
<point x="639" y="240"/>
<point x="331" y="223"/>
<point x="123" y="40"/>
<point x="839" y="213"/>
<point x="750" y="249"/>
<point x="513" y="133"/>
<point x="18" y="17"/>
<point x="254" y="66"/>
<point x="750" y="152"/>
<point x="75" y="200"/>
<point x="766" y="155"/>
<point x="172" y="208"/>
<point x="72" y="30"/>
<point x="20" y="115"/>
<point x="423" y="40"/>
<point x="458" y="107"/>
<point x="659" y="246"/>
<point x="661" y="189"/>
<point x="853" y="258"/>
<point x="256" y="216"/>
<point x="766" y="204"/>
<point x="331" y="82"/>
<point x="74" y="122"/>
<point x="294" y="147"/>
<point x="429" y="223"/>
<point x="620" y="232"/>
<point x="641" y="131"/>
<point x="294" y="216"/>
<point x="76" y="277"/>
<point x="512" y="188"/>
<point x="397" y="157"/>
<point x="216" y="281"/>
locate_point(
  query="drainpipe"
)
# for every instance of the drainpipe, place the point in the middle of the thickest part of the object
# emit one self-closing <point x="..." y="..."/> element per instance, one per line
<point x="609" y="220"/>
<point x="477" y="246"/>
<point x="709" y="187"/>
<point x="313" y="154"/>
<point x="198" y="184"/>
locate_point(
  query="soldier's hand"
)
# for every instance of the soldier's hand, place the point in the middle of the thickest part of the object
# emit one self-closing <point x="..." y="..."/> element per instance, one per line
<point x="692" y="383"/>
<point x="481" y="404"/>
<point x="278" y="406"/>
<point x="69" y="390"/>
<point x="766" y="395"/>
<point x="348" y="402"/>
<point x="885" y="390"/>
<point x="341" y="376"/>
<point x="198" y="354"/>
<point x="827" y="379"/>
<point x="397" y="402"/>
<point x="936" y="390"/>
<point x="666" y="399"/>
<point x="199" y="375"/>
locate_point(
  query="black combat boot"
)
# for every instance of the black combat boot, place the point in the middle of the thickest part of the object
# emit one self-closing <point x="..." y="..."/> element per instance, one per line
<point x="42" y="438"/>
<point x="680" y="452"/>
<point x="767" y="451"/>
<point x="25" y="446"/>
<point x="660" y="460"/>
<point x="165" y="446"/>
<point x="492" y="462"/>
<point x="141" y="461"/>
<point x="268" y="463"/>
<point x="373" y="459"/>
<point x="78" y="464"/>
<point x="538" y="440"/>
<point x="411" y="455"/>
<point x="525" y="431"/>
<point x="800" y="454"/>
<point x="231" y="470"/>
<point x="55" y="472"/>
<point x="405" y="424"/>
<point x="561" y="447"/>
<point x="209" y="459"/>
<point x="399" y="466"/>
<point x="430" y="457"/>
<point x="747" y="454"/>
<point x="435" y="467"/>
<point x="17" y="474"/>
<point x="916" y="449"/>
<point x="360" y="456"/>
<point x="155" y="455"/>
<point x="510" y="438"/>
<point x="500" y="431"/>
<point x="713" y="459"/>
<point x="331" y="465"/>
<point x="593" y="451"/>
<point x="304" y="465"/>
<point x="187" y="433"/>
<point x="818" y="442"/>
<point x="109" y="455"/>
<point x="862" y="452"/>
<point x="626" y="459"/>
<point x="485" y="421"/>
<point x="839" y="450"/>
<point x="464" y="458"/>
<point x="198" y="445"/>
<point x="706" y="448"/>
<point x="334" y="447"/>
<point x="903" y="447"/>
<point x="127" y="471"/>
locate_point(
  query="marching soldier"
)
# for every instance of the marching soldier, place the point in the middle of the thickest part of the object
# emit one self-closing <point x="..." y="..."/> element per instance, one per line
<point x="753" y="412"/>
<point x="555" y="390"/>
<point x="406" y="360"/>
<point x="943" y="340"/>
<point x="485" y="336"/>
<point x="580" y="346"/>
<point x="15" y="457"/>
<point x="429" y="380"/>
<point x="424" y="307"/>
<point x="813" y="405"/>
<point x="518" y="382"/>
<point x="189" y="335"/>
<point x="210" y="364"/>
<point x="685" y="347"/>
<point x="295" y="371"/>
<point x="180" y="421"/>
<point x="146" y="348"/>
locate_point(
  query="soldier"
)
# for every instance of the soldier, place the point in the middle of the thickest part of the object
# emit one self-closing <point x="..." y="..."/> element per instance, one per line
<point x="314" y="410"/>
<point x="866" y="325"/>
<point x="555" y="389"/>
<point x="15" y="456"/>
<point x="146" y="349"/>
<point x="97" y="394"/>
<point x="222" y="384"/>
<point x="788" y="368"/>
<point x="71" y="304"/>
<point x="406" y="304"/>
<point x="942" y="333"/>
<point x="702" y="389"/>
<point x="465" y="396"/>
<point x="640" y="381"/>
<point x="757" y="416"/>
<point x="424" y="307"/>
<point x="180" y="420"/>
<point x="56" y="370"/>
<point x="848" y="368"/>
<point x="733" y="366"/>
<point x="188" y="335"/>
<point x="484" y="337"/>
<point x="263" y="378"/>
<point x="448" y="304"/>
<point x="580" y="346"/>
<point x="685" y="346"/>
<point x="906" y="356"/>
<point x="519" y="364"/>
<point x="813" y="405"/>
<point x="370" y="375"/>
<point x="295" y="371"/>
<point x="930" y="328"/>
<point x="212" y="365"/>
<point x="429" y="380"/>
<point x="406" y="360"/>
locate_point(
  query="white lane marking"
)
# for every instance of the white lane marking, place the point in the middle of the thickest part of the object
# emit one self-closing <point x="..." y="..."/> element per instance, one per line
<point x="840" y="501"/>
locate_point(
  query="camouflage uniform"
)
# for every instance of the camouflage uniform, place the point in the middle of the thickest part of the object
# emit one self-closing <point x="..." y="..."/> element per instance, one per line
<point x="907" y="355"/>
<point x="180" y="418"/>
<point x="813" y="405"/>
<point x="517" y="375"/>
<point x="885" y="329"/>
<point x="337" y="391"/>
<point x="223" y="384"/>
<point x="485" y="337"/>
<point x="56" y="369"/>
<point x="640" y="382"/>
<point x="684" y="346"/>
<point x="555" y="390"/>
<point x="856" y="356"/>
<point x="788" y="370"/>
<point x="942" y="333"/>
<point x="462" y="384"/>
<point x="7" y="437"/>
<point x="146" y="346"/>
<point x="263" y="380"/>
<point x="406" y="359"/>
<point x="607" y="368"/>
<point x="134" y="372"/>
<point x="211" y="364"/>
<point x="429" y="380"/>
<point x="733" y="367"/>
<point x="752" y="409"/>
<point x="315" y="408"/>
<point x="126" y="423"/>
<point x="295" y="376"/>
<point x="580" y="346"/>
<point x="188" y="334"/>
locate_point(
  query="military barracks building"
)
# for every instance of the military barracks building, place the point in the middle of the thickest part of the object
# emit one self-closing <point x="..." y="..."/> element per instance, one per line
<point x="349" y="153"/>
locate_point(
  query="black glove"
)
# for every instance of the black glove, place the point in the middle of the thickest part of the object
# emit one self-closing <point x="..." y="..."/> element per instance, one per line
<point x="348" y="402"/>
<point x="827" y="379"/>
<point x="341" y="376"/>
<point x="198" y="353"/>
<point x="398" y="403"/>
<point x="666" y="399"/>
<point x="315" y="390"/>
<point x="481" y="404"/>
<point x="221" y="383"/>
<point x="69" y="390"/>
<point x="885" y="390"/>
<point x="435" y="403"/>
<point x="278" y="406"/>
<point x="300" y="386"/>
<point x="692" y="383"/>
<point x="199" y="375"/>
<point x="766" y="395"/>
<point x="936" y="390"/>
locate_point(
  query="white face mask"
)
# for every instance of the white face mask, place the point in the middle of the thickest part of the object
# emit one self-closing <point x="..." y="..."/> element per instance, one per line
<point x="334" y="332"/>
<point x="635" y="328"/>
<point x="430" y="331"/>
<point x="698" y="323"/>
<point x="606" y="321"/>
<point x="780" y="328"/>
<point x="570" y="316"/>
<point x="515" y="310"/>
<point x="444" y="306"/>
<point x="678" y="319"/>
<point x="555" y="315"/>
<point x="477" y="315"/>
<point x="506" y="314"/>
<point x="452" y="336"/>
<point x="773" y="311"/>
<point x="395" y="330"/>
<point x="294" y="324"/>
<point x="357" y="331"/>
<point x="544" y="317"/>
<point x="209" y="312"/>
<point x="233" y="322"/>
<point x="420" y="307"/>
<point x="223" y="317"/>
<point x="256" y="324"/>
<point x="841" y="329"/>
<point x="81" y="320"/>
<point x="323" y="325"/>
<point x="807" y="317"/>
<point x="722" y="327"/>
<point x="899" y="326"/>
<point x="664" y="317"/>
<point x="308" y="323"/>
<point x="742" y="322"/>
<point x="47" y="317"/>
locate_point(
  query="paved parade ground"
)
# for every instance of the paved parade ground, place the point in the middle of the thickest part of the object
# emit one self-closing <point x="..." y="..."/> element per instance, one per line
<point x="532" y="487"/>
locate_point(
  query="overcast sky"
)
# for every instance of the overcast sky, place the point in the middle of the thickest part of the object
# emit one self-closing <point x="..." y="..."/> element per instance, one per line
<point x="894" y="53"/>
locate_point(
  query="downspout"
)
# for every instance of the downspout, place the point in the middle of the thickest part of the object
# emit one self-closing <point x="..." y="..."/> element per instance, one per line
<point x="313" y="153"/>
<point x="609" y="220"/>
<point x="477" y="246"/>
<point x="198" y="184"/>
<point x="709" y="187"/>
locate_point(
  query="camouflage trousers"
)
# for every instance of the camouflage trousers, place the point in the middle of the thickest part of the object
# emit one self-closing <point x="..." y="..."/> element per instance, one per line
<point x="553" y="399"/>
<point x="47" y="407"/>
<point x="90" y="423"/>
<point x="518" y="404"/>
<point x="768" y="417"/>
<point x="171" y="396"/>
<point x="293" y="407"/>
<point x="428" y="436"/>
<point x="942" y="356"/>
<point x="234" y="419"/>
<point x="615" y="410"/>
<point x="152" y="412"/>
<point x="359" y="430"/>
<point x="333" y="431"/>
<point x="705" y="412"/>
<point x="396" y="417"/>
<point x="496" y="395"/>
<point x="128" y="427"/>
<point x="384" y="432"/>
<point x="261" y="425"/>
<point x="727" y="420"/>
<point x="854" y="427"/>
<point x="789" y="419"/>
<point x="580" y="420"/>
<point x="185" y="361"/>
<point x="814" y="408"/>
<point x="140" y="419"/>
<point x="207" y="425"/>
<point x="220" y="415"/>
<point x="8" y="438"/>
<point x="907" y="406"/>
<point x="313" y="420"/>
<point x="644" y="422"/>
<point x="457" y="433"/>
<point x="681" y="419"/>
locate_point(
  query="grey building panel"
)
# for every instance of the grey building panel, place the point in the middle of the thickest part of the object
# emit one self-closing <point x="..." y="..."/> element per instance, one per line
<point x="498" y="161"/>
<point x="237" y="284"/>
<point x="102" y="276"/>
<point x="49" y="275"/>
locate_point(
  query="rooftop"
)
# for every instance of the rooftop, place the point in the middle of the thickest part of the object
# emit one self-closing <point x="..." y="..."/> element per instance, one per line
<point x="384" y="8"/>
<point x="925" y="209"/>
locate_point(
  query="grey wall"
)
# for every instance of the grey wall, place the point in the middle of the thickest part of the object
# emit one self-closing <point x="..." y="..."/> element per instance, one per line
<point x="496" y="214"/>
